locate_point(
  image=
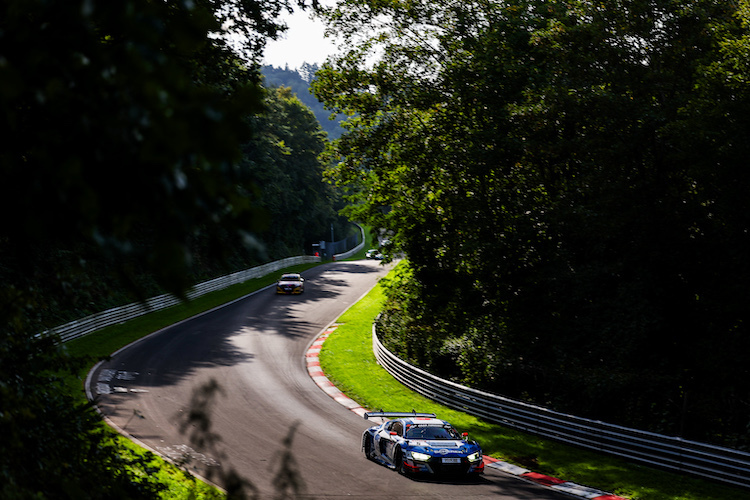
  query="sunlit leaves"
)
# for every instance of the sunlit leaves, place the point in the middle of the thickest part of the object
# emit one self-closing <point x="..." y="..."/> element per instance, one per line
<point x="573" y="170"/>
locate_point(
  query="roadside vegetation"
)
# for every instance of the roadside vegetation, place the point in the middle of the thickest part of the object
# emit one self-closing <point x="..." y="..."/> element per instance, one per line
<point x="112" y="192"/>
<point x="348" y="361"/>
<point x="569" y="182"/>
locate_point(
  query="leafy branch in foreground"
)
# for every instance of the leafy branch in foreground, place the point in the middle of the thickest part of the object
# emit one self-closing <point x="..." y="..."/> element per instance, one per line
<point x="123" y="125"/>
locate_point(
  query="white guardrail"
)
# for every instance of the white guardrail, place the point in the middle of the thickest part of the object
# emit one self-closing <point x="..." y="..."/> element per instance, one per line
<point x="713" y="462"/>
<point x="117" y="315"/>
<point x="349" y="253"/>
<point x="89" y="324"/>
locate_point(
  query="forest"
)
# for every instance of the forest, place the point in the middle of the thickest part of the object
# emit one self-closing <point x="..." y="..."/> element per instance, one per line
<point x="208" y="177"/>
<point x="569" y="182"/>
<point x="299" y="80"/>
<point x="141" y="154"/>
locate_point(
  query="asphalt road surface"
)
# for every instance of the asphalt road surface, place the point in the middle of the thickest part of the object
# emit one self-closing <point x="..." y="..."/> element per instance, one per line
<point x="227" y="394"/>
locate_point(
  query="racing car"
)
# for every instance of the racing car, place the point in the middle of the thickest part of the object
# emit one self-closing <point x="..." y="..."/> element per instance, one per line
<point x="374" y="253"/>
<point x="290" y="284"/>
<point x="415" y="443"/>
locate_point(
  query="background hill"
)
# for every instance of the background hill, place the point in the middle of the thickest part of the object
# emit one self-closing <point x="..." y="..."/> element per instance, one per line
<point x="299" y="81"/>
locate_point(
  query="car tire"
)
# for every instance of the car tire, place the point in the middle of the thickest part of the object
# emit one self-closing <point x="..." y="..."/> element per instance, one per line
<point x="398" y="460"/>
<point x="368" y="447"/>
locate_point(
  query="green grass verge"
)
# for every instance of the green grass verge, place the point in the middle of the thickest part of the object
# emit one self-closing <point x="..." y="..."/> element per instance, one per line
<point x="179" y="484"/>
<point x="348" y="361"/>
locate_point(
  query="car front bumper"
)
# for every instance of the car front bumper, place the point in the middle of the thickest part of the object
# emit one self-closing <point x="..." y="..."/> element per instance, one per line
<point x="437" y="466"/>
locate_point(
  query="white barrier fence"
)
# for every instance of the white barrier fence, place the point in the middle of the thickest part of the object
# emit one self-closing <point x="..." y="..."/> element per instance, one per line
<point x="89" y="324"/>
<point x="349" y="253"/>
<point x="713" y="462"/>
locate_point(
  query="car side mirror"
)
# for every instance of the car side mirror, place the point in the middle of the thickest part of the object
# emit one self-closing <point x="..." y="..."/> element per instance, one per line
<point x="465" y="435"/>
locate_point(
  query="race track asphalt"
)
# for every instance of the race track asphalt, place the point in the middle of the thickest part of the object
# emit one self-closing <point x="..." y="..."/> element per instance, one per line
<point x="227" y="394"/>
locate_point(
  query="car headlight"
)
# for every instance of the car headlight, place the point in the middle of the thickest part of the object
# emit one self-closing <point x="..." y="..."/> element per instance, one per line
<point x="474" y="457"/>
<point x="421" y="457"/>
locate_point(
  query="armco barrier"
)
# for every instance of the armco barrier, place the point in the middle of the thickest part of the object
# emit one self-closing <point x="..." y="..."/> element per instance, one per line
<point x="89" y="324"/>
<point x="349" y="253"/>
<point x="713" y="462"/>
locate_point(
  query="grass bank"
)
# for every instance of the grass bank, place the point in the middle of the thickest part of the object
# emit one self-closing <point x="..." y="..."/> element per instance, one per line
<point x="348" y="361"/>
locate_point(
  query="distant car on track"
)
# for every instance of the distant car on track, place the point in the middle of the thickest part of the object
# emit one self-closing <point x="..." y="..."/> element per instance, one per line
<point x="415" y="443"/>
<point x="290" y="284"/>
<point x="374" y="254"/>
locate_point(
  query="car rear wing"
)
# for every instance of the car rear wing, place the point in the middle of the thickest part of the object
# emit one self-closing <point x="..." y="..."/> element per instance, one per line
<point x="397" y="414"/>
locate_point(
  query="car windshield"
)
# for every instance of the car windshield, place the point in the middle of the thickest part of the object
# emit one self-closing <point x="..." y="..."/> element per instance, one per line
<point x="431" y="432"/>
<point x="290" y="278"/>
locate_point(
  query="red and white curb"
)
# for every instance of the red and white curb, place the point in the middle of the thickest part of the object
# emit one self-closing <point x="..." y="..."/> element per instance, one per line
<point x="313" y="368"/>
<point x="573" y="489"/>
<point x="554" y="483"/>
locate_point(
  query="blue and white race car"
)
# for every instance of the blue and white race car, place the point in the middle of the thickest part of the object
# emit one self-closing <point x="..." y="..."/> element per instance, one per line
<point x="421" y="443"/>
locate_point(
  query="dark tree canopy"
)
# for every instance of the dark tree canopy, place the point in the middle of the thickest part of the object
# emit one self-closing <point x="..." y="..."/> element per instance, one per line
<point x="124" y="130"/>
<point x="283" y="158"/>
<point x="568" y="181"/>
<point x="116" y="121"/>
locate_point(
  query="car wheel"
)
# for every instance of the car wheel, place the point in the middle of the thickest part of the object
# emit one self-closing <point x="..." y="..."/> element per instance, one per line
<point x="398" y="460"/>
<point x="368" y="447"/>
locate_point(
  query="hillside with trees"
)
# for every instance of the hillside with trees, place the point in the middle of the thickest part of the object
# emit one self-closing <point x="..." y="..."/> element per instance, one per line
<point x="299" y="80"/>
<point x="569" y="182"/>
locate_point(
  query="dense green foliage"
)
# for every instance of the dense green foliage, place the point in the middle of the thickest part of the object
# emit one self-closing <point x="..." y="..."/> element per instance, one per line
<point x="298" y="80"/>
<point x="139" y="155"/>
<point x="195" y="172"/>
<point x="282" y="157"/>
<point x="569" y="182"/>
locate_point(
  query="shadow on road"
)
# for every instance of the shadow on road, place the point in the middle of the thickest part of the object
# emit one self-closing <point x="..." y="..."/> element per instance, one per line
<point x="215" y="339"/>
<point x="196" y="425"/>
